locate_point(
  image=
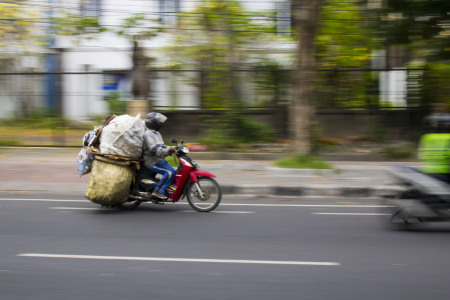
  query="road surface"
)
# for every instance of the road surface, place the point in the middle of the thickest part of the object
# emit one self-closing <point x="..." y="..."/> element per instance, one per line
<point x="65" y="247"/>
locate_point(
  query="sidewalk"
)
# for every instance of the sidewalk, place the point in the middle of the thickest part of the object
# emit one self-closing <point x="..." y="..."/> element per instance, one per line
<point x="54" y="170"/>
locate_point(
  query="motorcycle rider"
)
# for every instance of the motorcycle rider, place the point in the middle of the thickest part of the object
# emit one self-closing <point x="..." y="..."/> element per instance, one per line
<point x="154" y="152"/>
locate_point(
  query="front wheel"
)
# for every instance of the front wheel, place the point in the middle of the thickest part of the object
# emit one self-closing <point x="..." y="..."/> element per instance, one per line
<point x="204" y="195"/>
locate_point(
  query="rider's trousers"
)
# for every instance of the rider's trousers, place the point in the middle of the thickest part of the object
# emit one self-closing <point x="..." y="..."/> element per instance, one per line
<point x="166" y="170"/>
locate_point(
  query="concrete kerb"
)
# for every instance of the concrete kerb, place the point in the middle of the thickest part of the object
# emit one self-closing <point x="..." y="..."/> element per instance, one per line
<point x="325" y="191"/>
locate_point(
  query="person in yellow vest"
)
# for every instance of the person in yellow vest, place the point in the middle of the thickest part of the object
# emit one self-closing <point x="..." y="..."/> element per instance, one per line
<point x="434" y="147"/>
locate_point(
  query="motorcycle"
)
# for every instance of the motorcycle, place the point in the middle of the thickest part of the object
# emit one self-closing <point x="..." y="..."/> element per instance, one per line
<point x="422" y="199"/>
<point x="201" y="190"/>
<point x="425" y="192"/>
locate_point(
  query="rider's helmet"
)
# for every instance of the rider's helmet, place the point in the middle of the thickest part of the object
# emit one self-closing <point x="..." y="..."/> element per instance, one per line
<point x="154" y="120"/>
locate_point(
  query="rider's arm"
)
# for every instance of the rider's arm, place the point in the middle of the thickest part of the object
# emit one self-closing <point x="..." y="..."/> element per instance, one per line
<point x="154" y="143"/>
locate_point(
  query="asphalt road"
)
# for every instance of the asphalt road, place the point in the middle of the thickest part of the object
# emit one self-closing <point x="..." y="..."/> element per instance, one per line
<point x="61" y="247"/>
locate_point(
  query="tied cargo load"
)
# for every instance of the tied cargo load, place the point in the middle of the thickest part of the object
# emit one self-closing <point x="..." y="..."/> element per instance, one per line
<point x="112" y="157"/>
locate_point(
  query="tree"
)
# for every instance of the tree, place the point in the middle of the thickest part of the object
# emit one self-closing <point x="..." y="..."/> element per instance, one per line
<point x="306" y="15"/>
<point x="214" y="39"/>
<point x="136" y="28"/>
<point x="19" y="32"/>
<point x="345" y="43"/>
<point x="21" y="40"/>
<point x="420" y="29"/>
<point x="421" y="26"/>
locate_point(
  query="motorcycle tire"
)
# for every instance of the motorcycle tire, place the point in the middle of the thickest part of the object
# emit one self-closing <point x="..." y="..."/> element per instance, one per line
<point x="394" y="218"/>
<point x="130" y="204"/>
<point x="211" y="195"/>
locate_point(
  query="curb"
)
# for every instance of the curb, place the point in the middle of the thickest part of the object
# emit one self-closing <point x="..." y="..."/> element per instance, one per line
<point x="324" y="191"/>
<point x="249" y="189"/>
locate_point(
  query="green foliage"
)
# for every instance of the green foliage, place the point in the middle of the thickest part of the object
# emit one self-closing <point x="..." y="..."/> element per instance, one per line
<point x="435" y="82"/>
<point x="302" y="162"/>
<point x="344" y="42"/>
<point x="234" y="129"/>
<point x="212" y="39"/>
<point x="10" y="142"/>
<point x="70" y="24"/>
<point x="116" y="105"/>
<point x="273" y="80"/>
<point x="18" y="32"/>
<point x="137" y="27"/>
<point x="38" y="119"/>
<point x="399" y="152"/>
<point x="420" y="25"/>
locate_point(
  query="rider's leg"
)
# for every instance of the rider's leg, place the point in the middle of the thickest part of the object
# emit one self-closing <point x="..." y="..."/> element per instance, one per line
<point x="167" y="176"/>
<point x="163" y="168"/>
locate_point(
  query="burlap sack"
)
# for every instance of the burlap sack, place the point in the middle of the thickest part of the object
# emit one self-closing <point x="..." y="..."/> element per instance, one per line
<point x="109" y="181"/>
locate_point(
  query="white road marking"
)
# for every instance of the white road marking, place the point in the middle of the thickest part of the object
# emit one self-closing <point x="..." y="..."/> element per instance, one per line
<point x="173" y="259"/>
<point x="232" y="212"/>
<point x="42" y="200"/>
<point x="222" y="212"/>
<point x="351" y="214"/>
<point x="223" y="204"/>
<point x="303" y="205"/>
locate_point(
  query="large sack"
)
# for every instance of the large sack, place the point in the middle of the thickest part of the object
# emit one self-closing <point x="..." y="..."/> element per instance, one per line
<point x="109" y="181"/>
<point x="123" y="136"/>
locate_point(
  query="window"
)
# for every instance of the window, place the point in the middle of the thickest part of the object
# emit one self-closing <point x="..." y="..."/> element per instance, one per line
<point x="91" y="8"/>
<point x="283" y="10"/>
<point x="168" y="10"/>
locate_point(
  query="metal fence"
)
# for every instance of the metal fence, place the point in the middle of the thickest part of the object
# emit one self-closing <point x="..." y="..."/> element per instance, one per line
<point x="387" y="98"/>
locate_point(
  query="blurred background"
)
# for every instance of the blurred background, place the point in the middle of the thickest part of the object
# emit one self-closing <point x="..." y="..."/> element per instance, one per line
<point x="316" y="76"/>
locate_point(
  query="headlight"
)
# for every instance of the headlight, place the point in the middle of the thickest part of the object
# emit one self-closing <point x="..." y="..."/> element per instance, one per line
<point x="185" y="150"/>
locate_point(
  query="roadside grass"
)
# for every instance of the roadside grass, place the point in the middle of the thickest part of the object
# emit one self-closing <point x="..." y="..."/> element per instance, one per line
<point x="302" y="162"/>
<point x="399" y="152"/>
<point x="10" y="142"/>
<point x="36" y="136"/>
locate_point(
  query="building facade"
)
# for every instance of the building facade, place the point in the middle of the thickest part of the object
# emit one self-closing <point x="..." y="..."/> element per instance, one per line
<point x="99" y="68"/>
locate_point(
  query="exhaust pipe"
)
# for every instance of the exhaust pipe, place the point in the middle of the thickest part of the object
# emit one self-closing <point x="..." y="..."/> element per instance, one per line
<point x="139" y="197"/>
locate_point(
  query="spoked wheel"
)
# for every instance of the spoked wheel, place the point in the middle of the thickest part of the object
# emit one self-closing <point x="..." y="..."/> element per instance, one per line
<point x="130" y="204"/>
<point x="204" y="195"/>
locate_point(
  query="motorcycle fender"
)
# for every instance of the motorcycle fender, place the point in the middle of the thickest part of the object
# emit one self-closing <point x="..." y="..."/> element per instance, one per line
<point x="199" y="173"/>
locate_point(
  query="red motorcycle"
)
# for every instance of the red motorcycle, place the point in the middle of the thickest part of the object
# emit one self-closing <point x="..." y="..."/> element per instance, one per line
<point x="203" y="193"/>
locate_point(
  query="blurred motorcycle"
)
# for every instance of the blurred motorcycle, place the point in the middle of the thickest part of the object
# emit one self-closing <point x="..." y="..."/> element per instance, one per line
<point x="422" y="199"/>
<point x="426" y="191"/>
<point x="201" y="190"/>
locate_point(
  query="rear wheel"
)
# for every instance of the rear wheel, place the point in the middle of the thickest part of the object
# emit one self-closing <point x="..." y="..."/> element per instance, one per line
<point x="204" y="195"/>
<point x="130" y="204"/>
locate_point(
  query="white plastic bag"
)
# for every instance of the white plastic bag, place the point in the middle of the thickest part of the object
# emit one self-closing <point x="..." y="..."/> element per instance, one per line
<point x="123" y="136"/>
<point x="84" y="161"/>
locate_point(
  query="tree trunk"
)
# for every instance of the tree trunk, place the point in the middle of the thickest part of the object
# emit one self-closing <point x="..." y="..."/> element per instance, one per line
<point x="302" y="107"/>
<point x="140" y="83"/>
